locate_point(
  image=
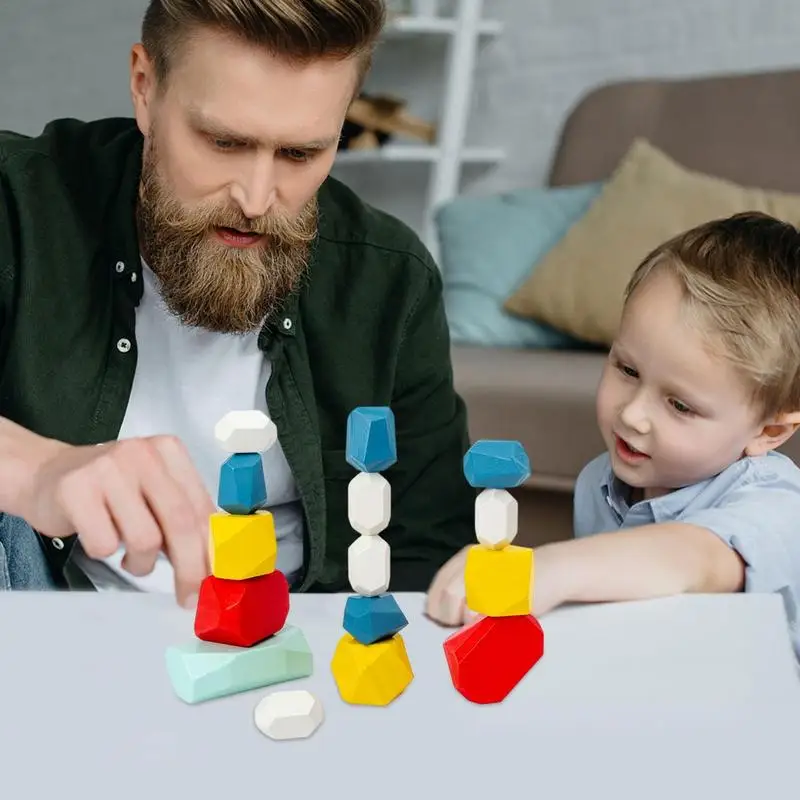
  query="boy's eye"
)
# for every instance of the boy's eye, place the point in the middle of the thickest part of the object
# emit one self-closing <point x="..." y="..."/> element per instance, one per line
<point x="629" y="372"/>
<point x="681" y="408"/>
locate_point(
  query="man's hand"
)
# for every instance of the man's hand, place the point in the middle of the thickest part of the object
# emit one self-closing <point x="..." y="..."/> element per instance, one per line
<point x="141" y="494"/>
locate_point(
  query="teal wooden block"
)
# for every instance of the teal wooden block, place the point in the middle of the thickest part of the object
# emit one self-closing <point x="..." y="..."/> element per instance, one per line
<point x="371" y="442"/>
<point x="242" y="485"/>
<point x="371" y="619"/>
<point x="496" y="464"/>
<point x="201" y="671"/>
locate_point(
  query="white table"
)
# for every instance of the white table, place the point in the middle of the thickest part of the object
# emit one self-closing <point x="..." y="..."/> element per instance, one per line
<point x="693" y="697"/>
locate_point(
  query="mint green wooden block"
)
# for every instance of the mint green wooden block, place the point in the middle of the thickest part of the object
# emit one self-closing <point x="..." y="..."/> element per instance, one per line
<point x="202" y="671"/>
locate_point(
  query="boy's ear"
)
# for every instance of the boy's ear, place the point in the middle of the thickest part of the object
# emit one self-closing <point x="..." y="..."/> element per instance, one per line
<point x="774" y="433"/>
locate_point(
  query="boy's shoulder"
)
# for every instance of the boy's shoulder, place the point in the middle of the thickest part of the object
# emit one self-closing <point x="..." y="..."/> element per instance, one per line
<point x="595" y="473"/>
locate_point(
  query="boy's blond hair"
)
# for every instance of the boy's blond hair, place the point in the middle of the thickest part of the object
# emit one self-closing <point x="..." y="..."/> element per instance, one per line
<point x="741" y="283"/>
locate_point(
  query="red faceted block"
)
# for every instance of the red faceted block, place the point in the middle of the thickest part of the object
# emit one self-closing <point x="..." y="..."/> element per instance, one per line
<point x="241" y="613"/>
<point x="488" y="659"/>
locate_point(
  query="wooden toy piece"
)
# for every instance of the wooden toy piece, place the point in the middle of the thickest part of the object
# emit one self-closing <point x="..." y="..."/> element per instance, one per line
<point x="387" y="115"/>
<point x="201" y="671"/>
<point x="242" y="547"/>
<point x="371" y="445"/>
<point x="488" y="659"/>
<point x="242" y="485"/>
<point x="371" y="674"/>
<point x="496" y="464"/>
<point x="241" y="613"/>
<point x="371" y="619"/>
<point x="499" y="582"/>
<point x="369" y="503"/>
<point x="496" y="518"/>
<point x="291" y="714"/>
<point x="369" y="565"/>
<point x="246" y="432"/>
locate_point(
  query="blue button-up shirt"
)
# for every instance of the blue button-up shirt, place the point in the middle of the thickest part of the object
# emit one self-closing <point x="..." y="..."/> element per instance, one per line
<point x="753" y="506"/>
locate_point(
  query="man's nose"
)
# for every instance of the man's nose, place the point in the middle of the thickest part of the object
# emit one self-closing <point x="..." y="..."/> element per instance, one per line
<point x="254" y="191"/>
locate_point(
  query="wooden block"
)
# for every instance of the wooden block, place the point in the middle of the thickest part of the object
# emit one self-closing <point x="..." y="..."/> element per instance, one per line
<point x="201" y="671"/>
<point x="371" y="674"/>
<point x="369" y="565"/>
<point x="292" y="714"/>
<point x="242" y="485"/>
<point x="496" y="518"/>
<point x="498" y="582"/>
<point x="241" y="613"/>
<point x="370" y="438"/>
<point x="488" y="659"/>
<point x="370" y="619"/>
<point x="496" y="464"/>
<point x="242" y="547"/>
<point x="246" y="432"/>
<point x="369" y="503"/>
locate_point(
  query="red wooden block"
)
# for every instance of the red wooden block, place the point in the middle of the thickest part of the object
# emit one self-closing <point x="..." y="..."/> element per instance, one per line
<point x="488" y="659"/>
<point x="241" y="613"/>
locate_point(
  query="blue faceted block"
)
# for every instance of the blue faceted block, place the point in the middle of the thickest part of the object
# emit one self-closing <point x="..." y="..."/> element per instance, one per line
<point x="496" y="464"/>
<point x="370" y="619"/>
<point x="242" y="486"/>
<point x="371" y="445"/>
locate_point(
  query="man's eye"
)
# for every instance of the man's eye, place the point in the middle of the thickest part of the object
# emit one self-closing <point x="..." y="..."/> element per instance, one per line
<point x="223" y="144"/>
<point x="296" y="155"/>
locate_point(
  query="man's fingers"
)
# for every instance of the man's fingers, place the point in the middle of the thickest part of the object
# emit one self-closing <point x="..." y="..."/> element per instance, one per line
<point x="84" y="505"/>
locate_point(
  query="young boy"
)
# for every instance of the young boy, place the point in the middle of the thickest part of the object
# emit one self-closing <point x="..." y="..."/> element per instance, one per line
<point x="701" y="385"/>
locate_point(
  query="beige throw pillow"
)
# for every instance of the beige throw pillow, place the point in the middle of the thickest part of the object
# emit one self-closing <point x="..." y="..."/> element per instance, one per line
<point x="578" y="286"/>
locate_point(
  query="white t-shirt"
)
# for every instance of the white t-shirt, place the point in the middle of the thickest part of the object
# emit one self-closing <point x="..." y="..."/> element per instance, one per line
<point x="186" y="380"/>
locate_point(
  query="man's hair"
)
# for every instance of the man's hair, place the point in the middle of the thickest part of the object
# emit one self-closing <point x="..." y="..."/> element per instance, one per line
<point x="298" y="30"/>
<point x="741" y="282"/>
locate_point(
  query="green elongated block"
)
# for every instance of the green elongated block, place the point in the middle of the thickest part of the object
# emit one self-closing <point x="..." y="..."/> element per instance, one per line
<point x="201" y="671"/>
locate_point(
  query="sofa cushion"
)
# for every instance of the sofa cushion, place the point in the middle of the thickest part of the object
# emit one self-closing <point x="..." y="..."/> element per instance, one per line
<point x="486" y="247"/>
<point x="578" y="286"/>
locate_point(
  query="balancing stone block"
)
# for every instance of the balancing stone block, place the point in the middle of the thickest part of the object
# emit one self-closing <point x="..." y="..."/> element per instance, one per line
<point x="369" y="503"/>
<point x="488" y="659"/>
<point x="371" y="619"/>
<point x="242" y="486"/>
<point x="245" y="432"/>
<point x="496" y="518"/>
<point x="499" y="582"/>
<point x="371" y="674"/>
<point x="371" y="445"/>
<point x="242" y="547"/>
<point x="293" y="714"/>
<point x="369" y="565"/>
<point x="496" y="464"/>
<point x="241" y="613"/>
<point x="202" y="671"/>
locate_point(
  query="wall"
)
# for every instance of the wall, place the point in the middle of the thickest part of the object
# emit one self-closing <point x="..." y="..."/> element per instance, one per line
<point x="70" y="59"/>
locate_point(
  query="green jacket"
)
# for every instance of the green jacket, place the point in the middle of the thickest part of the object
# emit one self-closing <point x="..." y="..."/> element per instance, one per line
<point x="368" y="328"/>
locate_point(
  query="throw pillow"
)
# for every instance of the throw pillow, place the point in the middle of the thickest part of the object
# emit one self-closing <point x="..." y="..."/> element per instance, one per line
<point x="578" y="286"/>
<point x="487" y="246"/>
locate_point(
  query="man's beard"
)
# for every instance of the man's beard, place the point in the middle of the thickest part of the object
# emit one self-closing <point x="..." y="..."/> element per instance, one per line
<point x="205" y="282"/>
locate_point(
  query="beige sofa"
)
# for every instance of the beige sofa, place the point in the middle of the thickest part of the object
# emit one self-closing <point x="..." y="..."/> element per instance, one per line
<point x="745" y="128"/>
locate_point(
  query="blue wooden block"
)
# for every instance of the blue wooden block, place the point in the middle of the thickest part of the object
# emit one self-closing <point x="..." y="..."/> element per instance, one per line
<point x="242" y="486"/>
<point x="371" y="445"/>
<point x="496" y="464"/>
<point x="370" y="619"/>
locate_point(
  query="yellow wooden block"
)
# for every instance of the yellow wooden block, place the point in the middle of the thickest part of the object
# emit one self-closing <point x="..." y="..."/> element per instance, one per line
<point x="242" y="546"/>
<point x="499" y="582"/>
<point x="371" y="674"/>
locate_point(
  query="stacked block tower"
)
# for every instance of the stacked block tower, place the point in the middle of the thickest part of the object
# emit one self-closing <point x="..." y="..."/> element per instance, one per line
<point x="242" y="641"/>
<point x="370" y="664"/>
<point x="489" y="658"/>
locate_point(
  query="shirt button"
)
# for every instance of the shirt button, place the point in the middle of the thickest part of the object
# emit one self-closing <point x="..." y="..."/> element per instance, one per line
<point x="58" y="544"/>
<point x="287" y="324"/>
<point x="123" y="345"/>
<point x="133" y="277"/>
<point x="120" y="266"/>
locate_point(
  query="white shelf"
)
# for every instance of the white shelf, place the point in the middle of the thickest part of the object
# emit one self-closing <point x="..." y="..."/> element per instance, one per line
<point x="437" y="26"/>
<point x="406" y="154"/>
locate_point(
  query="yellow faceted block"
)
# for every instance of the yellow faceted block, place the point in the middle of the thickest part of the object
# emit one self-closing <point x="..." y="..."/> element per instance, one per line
<point x="371" y="674"/>
<point x="242" y="546"/>
<point x="499" y="582"/>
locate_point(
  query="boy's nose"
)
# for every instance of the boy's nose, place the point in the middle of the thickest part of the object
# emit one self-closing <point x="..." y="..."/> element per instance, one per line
<point x="635" y="418"/>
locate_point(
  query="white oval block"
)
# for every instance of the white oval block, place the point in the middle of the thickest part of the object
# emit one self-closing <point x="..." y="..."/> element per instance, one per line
<point x="289" y="715"/>
<point x="369" y="503"/>
<point x="246" y="432"/>
<point x="368" y="565"/>
<point x="496" y="518"/>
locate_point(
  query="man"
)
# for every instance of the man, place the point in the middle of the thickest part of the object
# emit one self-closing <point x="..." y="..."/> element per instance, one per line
<point x="161" y="272"/>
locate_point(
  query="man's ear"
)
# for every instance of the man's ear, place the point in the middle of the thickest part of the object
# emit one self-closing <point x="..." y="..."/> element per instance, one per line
<point x="773" y="434"/>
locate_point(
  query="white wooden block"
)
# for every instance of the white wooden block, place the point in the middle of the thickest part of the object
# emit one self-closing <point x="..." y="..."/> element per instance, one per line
<point x="369" y="503"/>
<point x="292" y="714"/>
<point x="369" y="565"/>
<point x="246" y="432"/>
<point x="496" y="518"/>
